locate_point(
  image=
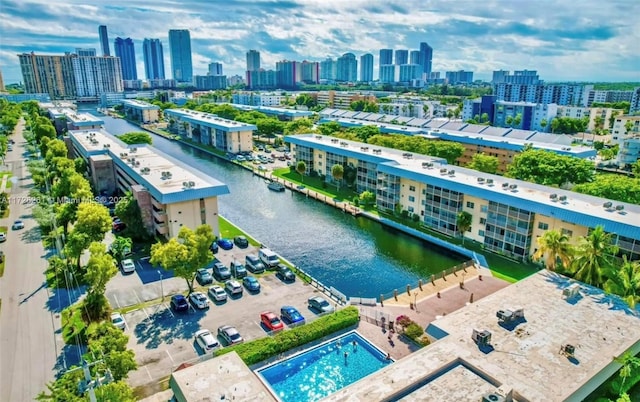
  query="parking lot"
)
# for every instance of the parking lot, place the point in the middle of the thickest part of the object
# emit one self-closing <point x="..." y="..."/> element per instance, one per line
<point x="163" y="339"/>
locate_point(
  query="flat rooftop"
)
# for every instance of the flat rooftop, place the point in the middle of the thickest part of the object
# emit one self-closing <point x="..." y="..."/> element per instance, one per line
<point x="570" y="206"/>
<point x="209" y="120"/>
<point x="524" y="356"/>
<point x="224" y="377"/>
<point x="75" y="118"/>
<point x="166" y="178"/>
<point x="272" y="110"/>
<point x="137" y="104"/>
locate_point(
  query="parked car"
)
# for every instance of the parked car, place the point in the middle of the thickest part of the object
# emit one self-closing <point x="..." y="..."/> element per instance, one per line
<point x="240" y="158"/>
<point x="203" y="276"/>
<point x="17" y="225"/>
<point x="233" y="287"/>
<point x="206" y="340"/>
<point x="118" y="321"/>
<point x="225" y="244"/>
<point x="291" y="315"/>
<point x="221" y="272"/>
<point x="251" y="283"/>
<point x="320" y="304"/>
<point x="238" y="269"/>
<point x="3" y="237"/>
<point x="128" y="266"/>
<point x="268" y="258"/>
<point x="254" y="264"/>
<point x="199" y="300"/>
<point x="285" y="273"/>
<point x="217" y="293"/>
<point x="118" y="225"/>
<point x="230" y="334"/>
<point x="241" y="241"/>
<point x="179" y="303"/>
<point x="214" y="247"/>
<point x="271" y="321"/>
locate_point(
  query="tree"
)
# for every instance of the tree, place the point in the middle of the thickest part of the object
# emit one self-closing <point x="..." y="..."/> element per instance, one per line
<point x="129" y="212"/>
<point x="549" y="168"/>
<point x="628" y="126"/>
<point x="337" y="172"/>
<point x="484" y="163"/>
<point x="186" y="253"/>
<point x="106" y="340"/>
<point x="555" y="245"/>
<point x="120" y="247"/>
<point x="329" y="128"/>
<point x="365" y="132"/>
<point x="269" y="127"/>
<point x="594" y="256"/>
<point x="116" y="391"/>
<point x="301" y="167"/>
<point x="625" y="281"/>
<point x="629" y="363"/>
<point x="367" y="198"/>
<point x="55" y="149"/>
<point x="299" y="126"/>
<point x="484" y="118"/>
<point x="613" y="187"/>
<point x="464" y="220"/>
<point x="136" y="137"/>
<point x="93" y="220"/>
<point x="543" y="124"/>
<point x="100" y="269"/>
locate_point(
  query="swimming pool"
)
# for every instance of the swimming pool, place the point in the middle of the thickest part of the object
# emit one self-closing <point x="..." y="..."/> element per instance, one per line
<point x="324" y="369"/>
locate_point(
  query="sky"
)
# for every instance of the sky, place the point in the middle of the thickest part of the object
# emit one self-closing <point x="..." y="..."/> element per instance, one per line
<point x="578" y="40"/>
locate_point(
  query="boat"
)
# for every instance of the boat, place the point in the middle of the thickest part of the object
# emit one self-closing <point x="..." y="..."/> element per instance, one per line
<point x="276" y="186"/>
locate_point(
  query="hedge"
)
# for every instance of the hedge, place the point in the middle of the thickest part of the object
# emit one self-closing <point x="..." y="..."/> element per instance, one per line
<point x="261" y="349"/>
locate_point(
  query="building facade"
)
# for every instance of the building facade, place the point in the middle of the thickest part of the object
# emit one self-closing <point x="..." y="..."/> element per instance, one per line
<point x="508" y="215"/>
<point x="599" y="117"/>
<point x="385" y="57"/>
<point x="258" y="98"/>
<point x="95" y="76"/>
<point x="388" y="73"/>
<point x="288" y="73"/>
<point x="459" y="77"/>
<point x="262" y="79"/>
<point x="53" y="75"/>
<point x="180" y="50"/>
<point x="328" y="69"/>
<point x="366" y="67"/>
<point x="104" y="40"/>
<point x="125" y="50"/>
<point x="560" y="94"/>
<point x="141" y="111"/>
<point x="409" y="72"/>
<point x="253" y="60"/>
<point x="215" y="69"/>
<point x="310" y="72"/>
<point x="347" y="68"/>
<point x="209" y="129"/>
<point x="85" y="51"/>
<point x="414" y="58"/>
<point x="210" y="82"/>
<point x="625" y="127"/>
<point x="401" y="57"/>
<point x="153" y="59"/>
<point x="426" y="58"/>
<point x="169" y="193"/>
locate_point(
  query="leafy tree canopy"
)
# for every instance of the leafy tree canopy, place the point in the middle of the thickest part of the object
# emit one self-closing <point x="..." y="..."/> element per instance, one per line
<point x="548" y="168"/>
<point x="484" y="163"/>
<point x="613" y="187"/>
<point x="136" y="137"/>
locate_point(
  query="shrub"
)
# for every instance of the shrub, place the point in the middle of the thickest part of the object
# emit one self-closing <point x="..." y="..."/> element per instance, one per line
<point x="264" y="348"/>
<point x="414" y="331"/>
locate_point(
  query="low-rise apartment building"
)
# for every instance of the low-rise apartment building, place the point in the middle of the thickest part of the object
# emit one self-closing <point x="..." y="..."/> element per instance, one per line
<point x="626" y="133"/>
<point x="599" y="117"/>
<point x="141" y="111"/>
<point x="69" y="119"/>
<point x="170" y="194"/>
<point x="508" y="215"/>
<point x="209" y="129"/>
<point x="342" y="99"/>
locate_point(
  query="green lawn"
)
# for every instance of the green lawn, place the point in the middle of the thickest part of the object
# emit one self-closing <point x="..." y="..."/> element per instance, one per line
<point x="228" y="231"/>
<point x="316" y="184"/>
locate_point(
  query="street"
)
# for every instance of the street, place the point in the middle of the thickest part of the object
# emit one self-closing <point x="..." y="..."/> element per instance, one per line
<point x="28" y="346"/>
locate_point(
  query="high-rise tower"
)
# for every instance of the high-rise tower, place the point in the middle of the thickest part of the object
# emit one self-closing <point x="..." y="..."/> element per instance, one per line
<point x="180" y="49"/>
<point x="253" y="60"/>
<point x="125" y="50"/>
<point x="366" y="67"/>
<point x="426" y="56"/>
<point x="153" y="59"/>
<point x="104" y="40"/>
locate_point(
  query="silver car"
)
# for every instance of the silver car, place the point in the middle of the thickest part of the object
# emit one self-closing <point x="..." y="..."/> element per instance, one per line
<point x="234" y="288"/>
<point x="118" y="321"/>
<point x="217" y="293"/>
<point x="230" y="334"/>
<point x="206" y="340"/>
<point x="199" y="300"/>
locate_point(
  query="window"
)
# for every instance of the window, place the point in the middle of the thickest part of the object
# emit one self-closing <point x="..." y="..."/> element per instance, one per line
<point x="412" y="198"/>
<point x="470" y="205"/>
<point x="543" y="226"/>
<point x="481" y="233"/>
<point x="567" y="232"/>
<point x="483" y="208"/>
<point x="483" y="221"/>
<point x="412" y="188"/>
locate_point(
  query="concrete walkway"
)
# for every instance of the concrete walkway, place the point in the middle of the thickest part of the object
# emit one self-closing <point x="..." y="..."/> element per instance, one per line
<point x="3" y="185"/>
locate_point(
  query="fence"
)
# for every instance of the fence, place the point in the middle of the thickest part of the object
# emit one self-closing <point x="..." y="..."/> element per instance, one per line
<point x="376" y="317"/>
<point x="330" y="291"/>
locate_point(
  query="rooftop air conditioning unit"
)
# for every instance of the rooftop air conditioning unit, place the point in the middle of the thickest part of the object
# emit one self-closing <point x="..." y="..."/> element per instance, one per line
<point x="452" y="172"/>
<point x="318" y="137"/>
<point x="553" y="197"/>
<point x="493" y="397"/>
<point x="619" y="208"/>
<point x="505" y="186"/>
<point x="563" y="198"/>
<point x="607" y="204"/>
<point x="513" y="187"/>
<point x="480" y="180"/>
<point x="192" y="183"/>
<point x="481" y="338"/>
<point x="425" y="165"/>
<point x="185" y="184"/>
<point x="133" y="150"/>
<point x="568" y="350"/>
<point x="443" y="171"/>
<point x="571" y="291"/>
<point x="490" y="182"/>
<point x="344" y="144"/>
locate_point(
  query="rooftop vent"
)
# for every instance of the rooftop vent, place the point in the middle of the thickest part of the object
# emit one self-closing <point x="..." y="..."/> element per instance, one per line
<point x="571" y="291"/>
<point x="481" y="338"/>
<point x="334" y="140"/>
<point x="452" y="172"/>
<point x="106" y="146"/>
<point x="490" y="182"/>
<point x="510" y="315"/>
<point x="133" y="150"/>
<point x="480" y="180"/>
<point x="318" y="137"/>
<point x="505" y="186"/>
<point x="619" y="208"/>
<point x="427" y="165"/>
<point x="553" y="197"/>
<point x="344" y="144"/>
<point x="443" y="171"/>
<point x="568" y="350"/>
<point x="377" y="151"/>
<point x="364" y="149"/>
<point x="607" y="204"/>
<point x="188" y="184"/>
<point x="563" y="199"/>
<point x="513" y="187"/>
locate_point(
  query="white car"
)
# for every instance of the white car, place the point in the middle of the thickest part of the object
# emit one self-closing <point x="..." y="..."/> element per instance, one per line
<point x="234" y="288"/>
<point x="206" y="340"/>
<point x="118" y="321"/>
<point x="3" y="237"/>
<point x="199" y="300"/>
<point x="128" y="266"/>
<point x="217" y="293"/>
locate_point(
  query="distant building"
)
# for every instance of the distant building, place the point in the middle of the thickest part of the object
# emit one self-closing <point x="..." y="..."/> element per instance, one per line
<point x="215" y="69"/>
<point x="50" y="74"/>
<point x="426" y="58"/>
<point x="328" y="69"/>
<point x="347" y="68"/>
<point x="96" y="75"/>
<point x="608" y="96"/>
<point x="523" y="77"/>
<point x="606" y="116"/>
<point x="459" y="77"/>
<point x="1" y="82"/>
<point x="366" y="67"/>
<point x="635" y="101"/>
<point x="135" y="85"/>
<point x="261" y="79"/>
<point x="342" y="99"/>
<point x="409" y="72"/>
<point x="210" y="82"/>
<point x="402" y="57"/>
<point x="624" y="127"/>
<point x="288" y="74"/>
<point x="258" y="98"/>
<point x="140" y="111"/>
<point x="104" y="40"/>
<point x="235" y="80"/>
<point x="253" y="60"/>
<point x="180" y="49"/>
<point x="162" y="83"/>
<point x="524" y="116"/>
<point x="388" y="73"/>
<point x="560" y="94"/>
<point x="414" y="58"/>
<point x="85" y="51"/>
<point x="153" y="59"/>
<point x="125" y="50"/>
<point x="310" y="72"/>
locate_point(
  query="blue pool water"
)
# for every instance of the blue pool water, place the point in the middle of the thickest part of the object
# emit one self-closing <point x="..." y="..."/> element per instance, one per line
<point x="323" y="370"/>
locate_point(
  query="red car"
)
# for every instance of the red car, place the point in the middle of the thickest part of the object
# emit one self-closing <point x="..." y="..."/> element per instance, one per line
<point x="271" y="321"/>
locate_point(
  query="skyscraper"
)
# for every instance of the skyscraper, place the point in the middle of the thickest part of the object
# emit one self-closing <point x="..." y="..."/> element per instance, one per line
<point x="347" y="69"/>
<point x="328" y="69"/>
<point x="180" y="49"/>
<point x="153" y="59"/>
<point x="414" y="57"/>
<point x="386" y="57"/>
<point x="253" y="60"/>
<point x="366" y="67"/>
<point x="215" y="69"/>
<point x="402" y="57"/>
<point x="104" y="40"/>
<point x="95" y="76"/>
<point x="48" y="74"/>
<point x="85" y="51"/>
<point x="310" y="72"/>
<point x="426" y="56"/>
<point x="126" y="52"/>
<point x="288" y="73"/>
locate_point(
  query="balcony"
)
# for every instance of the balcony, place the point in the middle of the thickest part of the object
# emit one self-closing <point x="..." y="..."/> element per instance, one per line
<point x="159" y="216"/>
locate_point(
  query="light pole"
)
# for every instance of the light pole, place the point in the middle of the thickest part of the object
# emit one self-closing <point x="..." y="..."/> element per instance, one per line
<point x="415" y="304"/>
<point x="161" y="286"/>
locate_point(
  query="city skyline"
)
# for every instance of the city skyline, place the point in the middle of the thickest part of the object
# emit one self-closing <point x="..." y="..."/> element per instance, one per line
<point x="596" y="45"/>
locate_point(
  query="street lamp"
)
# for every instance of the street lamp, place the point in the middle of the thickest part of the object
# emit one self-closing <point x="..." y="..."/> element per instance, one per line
<point x="415" y="305"/>
<point x="161" y="286"/>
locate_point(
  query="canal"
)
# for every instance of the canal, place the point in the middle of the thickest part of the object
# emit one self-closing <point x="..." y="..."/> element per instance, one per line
<point x="357" y="256"/>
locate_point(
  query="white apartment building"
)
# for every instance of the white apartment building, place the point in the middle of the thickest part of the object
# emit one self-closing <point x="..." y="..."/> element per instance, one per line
<point x="258" y="98"/>
<point x="578" y="112"/>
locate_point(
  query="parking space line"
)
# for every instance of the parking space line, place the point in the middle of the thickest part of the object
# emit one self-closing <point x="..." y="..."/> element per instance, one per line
<point x="169" y="310"/>
<point x="148" y="373"/>
<point x="169" y="354"/>
<point x="115" y="298"/>
<point x="137" y="297"/>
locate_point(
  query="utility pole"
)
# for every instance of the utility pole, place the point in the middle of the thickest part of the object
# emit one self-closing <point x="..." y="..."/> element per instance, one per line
<point x="89" y="384"/>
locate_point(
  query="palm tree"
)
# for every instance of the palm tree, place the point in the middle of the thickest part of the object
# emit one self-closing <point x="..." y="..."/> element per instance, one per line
<point x="594" y="257"/>
<point x="628" y="362"/>
<point x="555" y="245"/>
<point x="464" y="221"/>
<point x="625" y="282"/>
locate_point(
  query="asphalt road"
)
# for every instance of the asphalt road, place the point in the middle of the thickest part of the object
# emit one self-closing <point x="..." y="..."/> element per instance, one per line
<point x="28" y="344"/>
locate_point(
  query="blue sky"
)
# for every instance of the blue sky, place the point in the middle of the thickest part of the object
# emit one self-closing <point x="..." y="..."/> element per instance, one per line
<point x="575" y="40"/>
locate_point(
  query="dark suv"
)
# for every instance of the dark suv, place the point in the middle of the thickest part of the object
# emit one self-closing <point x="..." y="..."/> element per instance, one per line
<point x="221" y="272"/>
<point x="179" y="303"/>
<point x="254" y="264"/>
<point x="285" y="273"/>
